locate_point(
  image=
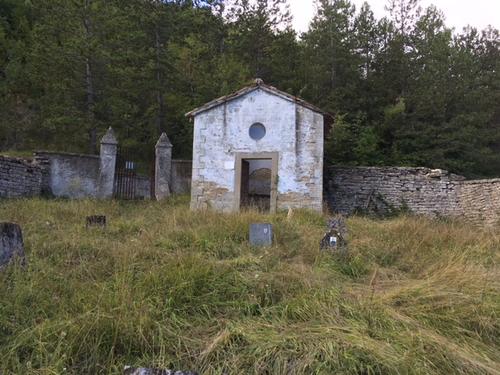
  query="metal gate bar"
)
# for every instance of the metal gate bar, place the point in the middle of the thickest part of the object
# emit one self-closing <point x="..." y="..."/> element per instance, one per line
<point x="125" y="182"/>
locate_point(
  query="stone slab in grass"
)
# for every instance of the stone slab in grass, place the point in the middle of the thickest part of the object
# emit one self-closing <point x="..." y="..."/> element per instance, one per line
<point x="11" y="244"/>
<point x="98" y="221"/>
<point x="261" y="234"/>
<point x="151" y="371"/>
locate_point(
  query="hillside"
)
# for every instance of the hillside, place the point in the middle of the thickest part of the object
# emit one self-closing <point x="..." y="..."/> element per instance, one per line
<point x="165" y="287"/>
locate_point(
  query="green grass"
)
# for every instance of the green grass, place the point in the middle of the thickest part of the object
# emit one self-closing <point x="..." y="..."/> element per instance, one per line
<point x="17" y="154"/>
<point x="165" y="287"/>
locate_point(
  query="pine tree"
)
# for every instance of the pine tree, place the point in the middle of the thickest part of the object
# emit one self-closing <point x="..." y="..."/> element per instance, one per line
<point x="252" y="32"/>
<point x="16" y="108"/>
<point x="68" y="65"/>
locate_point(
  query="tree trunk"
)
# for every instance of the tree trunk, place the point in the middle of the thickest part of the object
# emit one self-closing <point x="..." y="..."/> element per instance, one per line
<point x="160" y="117"/>
<point x="332" y="51"/>
<point x="90" y="106"/>
<point x="89" y="83"/>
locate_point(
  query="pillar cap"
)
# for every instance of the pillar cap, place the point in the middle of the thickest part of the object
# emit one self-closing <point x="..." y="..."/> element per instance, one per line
<point x="109" y="138"/>
<point x="163" y="141"/>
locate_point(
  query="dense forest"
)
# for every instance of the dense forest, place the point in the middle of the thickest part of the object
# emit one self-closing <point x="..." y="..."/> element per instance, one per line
<point x="404" y="90"/>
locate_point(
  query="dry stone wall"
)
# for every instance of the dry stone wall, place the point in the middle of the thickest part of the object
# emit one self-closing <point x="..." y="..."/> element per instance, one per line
<point x="20" y="178"/>
<point x="380" y="190"/>
<point x="480" y="201"/>
<point x="424" y="191"/>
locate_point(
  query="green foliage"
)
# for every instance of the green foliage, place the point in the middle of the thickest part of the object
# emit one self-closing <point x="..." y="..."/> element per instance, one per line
<point x="163" y="286"/>
<point x="404" y="89"/>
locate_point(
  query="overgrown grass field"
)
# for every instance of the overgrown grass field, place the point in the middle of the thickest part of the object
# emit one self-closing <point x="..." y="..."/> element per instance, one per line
<point x="166" y="287"/>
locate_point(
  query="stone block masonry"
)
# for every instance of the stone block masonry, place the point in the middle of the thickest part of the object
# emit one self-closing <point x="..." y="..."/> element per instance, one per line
<point x="20" y="178"/>
<point x="422" y="191"/>
<point x="75" y="176"/>
<point x="379" y="190"/>
<point x="163" y="167"/>
<point x="107" y="160"/>
<point x="480" y="201"/>
<point x="293" y="141"/>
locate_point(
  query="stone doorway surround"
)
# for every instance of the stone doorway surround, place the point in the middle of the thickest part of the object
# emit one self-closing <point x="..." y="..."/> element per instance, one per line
<point x="239" y="157"/>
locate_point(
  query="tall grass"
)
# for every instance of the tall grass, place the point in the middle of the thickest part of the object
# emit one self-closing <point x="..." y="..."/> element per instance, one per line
<point x="166" y="287"/>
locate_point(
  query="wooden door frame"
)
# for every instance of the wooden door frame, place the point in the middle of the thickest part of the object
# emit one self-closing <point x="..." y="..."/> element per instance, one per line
<point x="239" y="157"/>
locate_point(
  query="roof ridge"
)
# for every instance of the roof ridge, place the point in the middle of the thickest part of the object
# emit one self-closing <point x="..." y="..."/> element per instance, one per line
<point x="257" y="84"/>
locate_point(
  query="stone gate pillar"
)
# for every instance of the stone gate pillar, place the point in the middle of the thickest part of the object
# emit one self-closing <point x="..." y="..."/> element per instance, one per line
<point x="163" y="167"/>
<point x="109" y="146"/>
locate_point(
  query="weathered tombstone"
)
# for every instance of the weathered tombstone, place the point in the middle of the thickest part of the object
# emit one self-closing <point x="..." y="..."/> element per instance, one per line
<point x="11" y="244"/>
<point x="336" y="236"/>
<point x="151" y="371"/>
<point x="261" y="234"/>
<point x="95" y="221"/>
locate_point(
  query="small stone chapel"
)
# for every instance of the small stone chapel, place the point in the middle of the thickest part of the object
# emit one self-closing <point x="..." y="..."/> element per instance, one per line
<point x="258" y="147"/>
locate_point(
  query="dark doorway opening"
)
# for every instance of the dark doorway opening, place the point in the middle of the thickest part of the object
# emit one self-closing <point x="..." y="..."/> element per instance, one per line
<point x="256" y="179"/>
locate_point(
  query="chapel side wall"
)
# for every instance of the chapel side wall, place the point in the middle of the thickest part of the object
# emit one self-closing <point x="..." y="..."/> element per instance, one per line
<point x="222" y="132"/>
<point x="308" y="167"/>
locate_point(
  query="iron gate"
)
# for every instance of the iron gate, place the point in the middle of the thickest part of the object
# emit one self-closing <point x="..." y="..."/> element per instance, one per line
<point x="133" y="180"/>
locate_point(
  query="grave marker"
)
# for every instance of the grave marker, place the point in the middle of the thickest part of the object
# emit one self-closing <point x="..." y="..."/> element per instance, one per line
<point x="151" y="371"/>
<point x="261" y="234"/>
<point x="95" y="221"/>
<point x="11" y="244"/>
<point x="336" y="236"/>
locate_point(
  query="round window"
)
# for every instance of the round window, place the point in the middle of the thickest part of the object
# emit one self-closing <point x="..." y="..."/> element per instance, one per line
<point x="257" y="131"/>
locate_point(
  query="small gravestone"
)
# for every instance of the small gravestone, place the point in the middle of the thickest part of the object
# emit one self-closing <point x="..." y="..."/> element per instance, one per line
<point x="261" y="234"/>
<point x="11" y="244"/>
<point x="336" y="236"/>
<point x="98" y="221"/>
<point x="151" y="371"/>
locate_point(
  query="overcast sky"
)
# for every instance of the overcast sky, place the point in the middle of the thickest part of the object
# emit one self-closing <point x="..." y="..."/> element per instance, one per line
<point x="459" y="13"/>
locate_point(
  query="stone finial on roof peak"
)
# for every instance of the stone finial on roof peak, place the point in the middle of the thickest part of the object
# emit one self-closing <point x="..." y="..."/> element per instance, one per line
<point x="109" y="137"/>
<point x="163" y="141"/>
<point x="259" y="81"/>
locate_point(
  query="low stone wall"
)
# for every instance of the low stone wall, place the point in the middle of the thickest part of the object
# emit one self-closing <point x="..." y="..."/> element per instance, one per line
<point x="373" y="189"/>
<point x="75" y="176"/>
<point x="424" y="191"/>
<point x="70" y="175"/>
<point x="480" y="201"/>
<point x="20" y="178"/>
<point x="180" y="178"/>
